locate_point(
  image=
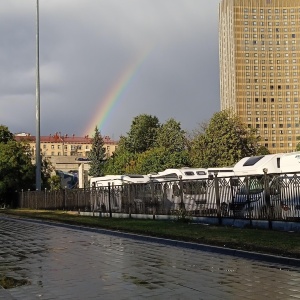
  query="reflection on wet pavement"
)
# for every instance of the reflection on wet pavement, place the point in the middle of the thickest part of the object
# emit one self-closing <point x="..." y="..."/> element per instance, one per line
<point x="64" y="263"/>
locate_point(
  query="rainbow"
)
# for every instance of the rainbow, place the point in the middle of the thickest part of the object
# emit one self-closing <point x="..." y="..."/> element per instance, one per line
<point x="115" y="93"/>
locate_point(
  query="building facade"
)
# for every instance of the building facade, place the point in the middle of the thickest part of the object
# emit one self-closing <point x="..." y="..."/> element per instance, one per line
<point x="260" y="67"/>
<point x="66" y="152"/>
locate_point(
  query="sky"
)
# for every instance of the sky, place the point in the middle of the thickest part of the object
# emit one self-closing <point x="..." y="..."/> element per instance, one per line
<point x="104" y="62"/>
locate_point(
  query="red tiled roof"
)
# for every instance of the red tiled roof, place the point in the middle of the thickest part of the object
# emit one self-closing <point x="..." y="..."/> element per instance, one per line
<point x="63" y="139"/>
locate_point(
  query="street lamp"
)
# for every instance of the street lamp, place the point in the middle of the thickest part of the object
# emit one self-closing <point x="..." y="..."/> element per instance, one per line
<point x="37" y="110"/>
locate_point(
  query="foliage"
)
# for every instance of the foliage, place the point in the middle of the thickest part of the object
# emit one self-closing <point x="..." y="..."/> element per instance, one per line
<point x="142" y="134"/>
<point x="158" y="159"/>
<point x="170" y="136"/>
<point x="46" y="170"/>
<point x="54" y="183"/>
<point x="120" y="162"/>
<point x="159" y="148"/>
<point x="262" y="150"/>
<point x="298" y="145"/>
<point x="97" y="155"/>
<point x="16" y="169"/>
<point x="5" y="135"/>
<point x="224" y="141"/>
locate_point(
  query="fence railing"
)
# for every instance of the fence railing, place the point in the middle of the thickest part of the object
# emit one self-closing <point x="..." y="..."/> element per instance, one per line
<point x="265" y="197"/>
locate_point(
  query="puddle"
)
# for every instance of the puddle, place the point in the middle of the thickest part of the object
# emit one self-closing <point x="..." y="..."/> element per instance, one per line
<point x="8" y="282"/>
<point x="136" y="280"/>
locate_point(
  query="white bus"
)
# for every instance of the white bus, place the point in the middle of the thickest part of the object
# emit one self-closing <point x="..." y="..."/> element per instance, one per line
<point x="284" y="185"/>
<point x="106" y="180"/>
<point x="181" y="187"/>
<point x="110" y="191"/>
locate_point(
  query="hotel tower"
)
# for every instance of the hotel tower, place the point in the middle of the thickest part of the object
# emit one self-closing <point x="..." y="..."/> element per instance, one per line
<point x="260" y="67"/>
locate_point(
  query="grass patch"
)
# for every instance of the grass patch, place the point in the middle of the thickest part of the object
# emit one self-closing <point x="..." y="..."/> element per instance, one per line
<point x="249" y="239"/>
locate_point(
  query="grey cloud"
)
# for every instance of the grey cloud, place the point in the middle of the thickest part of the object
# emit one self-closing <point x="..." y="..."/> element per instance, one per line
<point x="85" y="45"/>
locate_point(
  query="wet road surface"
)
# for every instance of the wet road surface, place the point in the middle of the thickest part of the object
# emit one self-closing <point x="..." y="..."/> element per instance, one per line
<point x="66" y="263"/>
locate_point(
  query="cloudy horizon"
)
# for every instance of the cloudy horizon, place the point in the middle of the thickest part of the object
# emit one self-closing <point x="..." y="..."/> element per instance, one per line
<point x="87" y="46"/>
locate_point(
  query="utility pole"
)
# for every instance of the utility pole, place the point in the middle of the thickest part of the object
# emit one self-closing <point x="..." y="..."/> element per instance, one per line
<point x="37" y="111"/>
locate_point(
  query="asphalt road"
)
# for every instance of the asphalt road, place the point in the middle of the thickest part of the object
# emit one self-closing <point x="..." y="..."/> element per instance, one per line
<point x="65" y="262"/>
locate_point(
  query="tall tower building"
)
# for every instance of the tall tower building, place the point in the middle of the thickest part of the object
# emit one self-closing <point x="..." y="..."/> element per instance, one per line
<point x="260" y="67"/>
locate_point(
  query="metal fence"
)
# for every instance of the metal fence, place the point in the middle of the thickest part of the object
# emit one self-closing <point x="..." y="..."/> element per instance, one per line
<point x="263" y="197"/>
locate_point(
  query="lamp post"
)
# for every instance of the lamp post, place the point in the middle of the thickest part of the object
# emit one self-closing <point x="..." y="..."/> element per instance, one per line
<point x="37" y="110"/>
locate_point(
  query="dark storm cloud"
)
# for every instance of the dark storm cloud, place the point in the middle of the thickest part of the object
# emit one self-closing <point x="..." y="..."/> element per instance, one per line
<point x="84" y="47"/>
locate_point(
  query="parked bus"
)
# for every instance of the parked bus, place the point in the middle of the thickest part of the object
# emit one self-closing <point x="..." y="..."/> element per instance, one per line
<point x="182" y="188"/>
<point x="113" y="191"/>
<point x="282" y="171"/>
<point x="106" y="180"/>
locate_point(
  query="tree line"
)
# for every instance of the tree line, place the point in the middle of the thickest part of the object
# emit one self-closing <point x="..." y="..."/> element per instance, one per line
<point x="148" y="147"/>
<point x="17" y="170"/>
<point x="152" y="147"/>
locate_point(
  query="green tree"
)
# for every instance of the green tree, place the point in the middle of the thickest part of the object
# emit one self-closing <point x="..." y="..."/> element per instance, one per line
<point x="167" y="149"/>
<point x="16" y="169"/>
<point x="97" y="155"/>
<point x="54" y="183"/>
<point x="298" y="145"/>
<point x="171" y="137"/>
<point x="119" y="163"/>
<point x="46" y="170"/>
<point x="142" y="134"/>
<point x="5" y="134"/>
<point x="262" y="150"/>
<point x="223" y="142"/>
<point x="158" y="159"/>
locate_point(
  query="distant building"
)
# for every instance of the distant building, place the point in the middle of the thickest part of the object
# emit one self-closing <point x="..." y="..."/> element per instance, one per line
<point x="259" y="44"/>
<point x="66" y="152"/>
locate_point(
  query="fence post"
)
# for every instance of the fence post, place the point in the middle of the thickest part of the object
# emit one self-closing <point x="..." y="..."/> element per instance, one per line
<point x="267" y="196"/>
<point x="36" y="191"/>
<point x="182" y="206"/>
<point x="129" y="198"/>
<point x="109" y="204"/>
<point x="153" y="200"/>
<point x="93" y="199"/>
<point x="45" y="198"/>
<point x="22" y="199"/>
<point x="216" y="182"/>
<point x="248" y="199"/>
<point x="65" y="198"/>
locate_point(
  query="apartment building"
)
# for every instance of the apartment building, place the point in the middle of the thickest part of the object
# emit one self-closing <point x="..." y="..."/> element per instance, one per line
<point x="260" y="67"/>
<point x="66" y="152"/>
